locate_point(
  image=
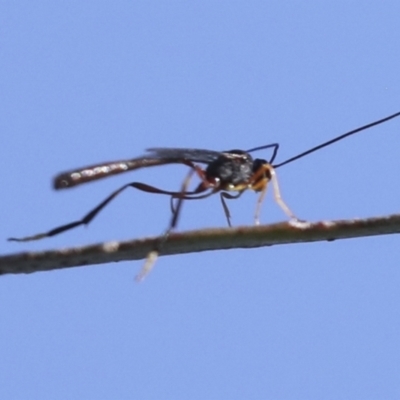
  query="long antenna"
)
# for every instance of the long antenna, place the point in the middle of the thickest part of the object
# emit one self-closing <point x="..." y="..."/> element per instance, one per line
<point x="362" y="128"/>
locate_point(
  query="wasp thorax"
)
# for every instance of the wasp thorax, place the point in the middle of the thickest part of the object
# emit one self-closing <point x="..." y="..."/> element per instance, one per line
<point x="232" y="168"/>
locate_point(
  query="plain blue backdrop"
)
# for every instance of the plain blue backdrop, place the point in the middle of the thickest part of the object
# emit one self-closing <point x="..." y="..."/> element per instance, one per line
<point x="85" y="82"/>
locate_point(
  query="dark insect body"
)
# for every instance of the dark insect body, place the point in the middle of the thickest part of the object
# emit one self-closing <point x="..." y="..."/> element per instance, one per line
<point x="225" y="172"/>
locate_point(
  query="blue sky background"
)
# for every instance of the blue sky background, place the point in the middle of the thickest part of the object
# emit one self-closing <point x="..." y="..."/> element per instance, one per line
<point x="85" y="82"/>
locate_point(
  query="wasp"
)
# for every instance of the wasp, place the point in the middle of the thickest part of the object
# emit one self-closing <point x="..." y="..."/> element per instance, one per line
<point x="228" y="173"/>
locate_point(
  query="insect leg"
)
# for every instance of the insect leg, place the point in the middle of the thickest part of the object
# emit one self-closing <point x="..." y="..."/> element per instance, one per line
<point x="191" y="195"/>
<point x="92" y="214"/>
<point x="202" y="187"/>
<point x="259" y="204"/>
<point x="153" y="255"/>
<point x="225" y="195"/>
<point x="259" y="183"/>
<point x="277" y="195"/>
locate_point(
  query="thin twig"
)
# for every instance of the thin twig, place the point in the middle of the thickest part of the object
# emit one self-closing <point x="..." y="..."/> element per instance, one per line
<point x="199" y="240"/>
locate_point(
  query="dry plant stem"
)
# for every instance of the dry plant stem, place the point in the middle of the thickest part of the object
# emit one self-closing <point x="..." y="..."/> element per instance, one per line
<point x="200" y="240"/>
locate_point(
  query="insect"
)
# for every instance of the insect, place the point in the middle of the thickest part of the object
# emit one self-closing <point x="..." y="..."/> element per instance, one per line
<point x="229" y="173"/>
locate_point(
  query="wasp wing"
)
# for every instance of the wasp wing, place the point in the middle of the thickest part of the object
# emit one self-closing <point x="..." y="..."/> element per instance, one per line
<point x="156" y="157"/>
<point x="195" y="155"/>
